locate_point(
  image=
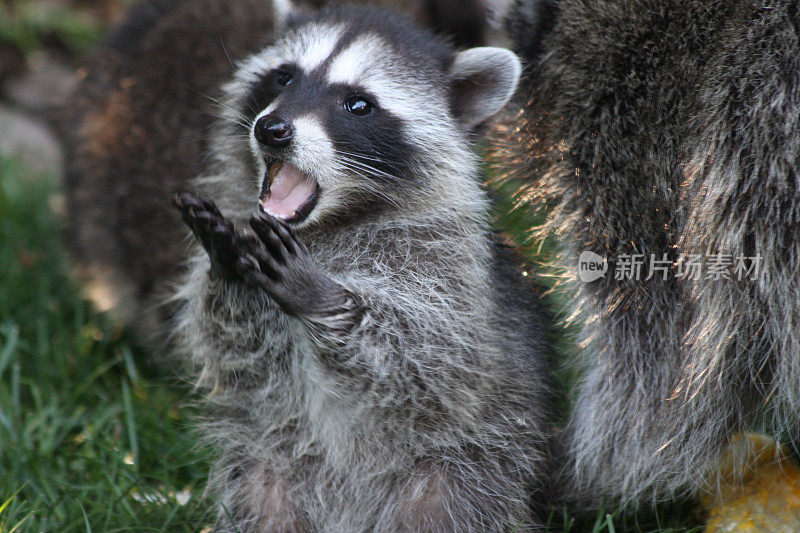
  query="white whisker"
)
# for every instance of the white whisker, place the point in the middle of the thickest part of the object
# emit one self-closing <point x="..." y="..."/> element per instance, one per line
<point x="368" y="169"/>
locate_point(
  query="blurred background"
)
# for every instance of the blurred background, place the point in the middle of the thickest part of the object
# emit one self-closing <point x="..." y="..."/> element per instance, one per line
<point x="92" y="436"/>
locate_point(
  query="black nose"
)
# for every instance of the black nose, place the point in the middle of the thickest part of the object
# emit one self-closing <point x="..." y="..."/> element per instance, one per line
<point x="273" y="131"/>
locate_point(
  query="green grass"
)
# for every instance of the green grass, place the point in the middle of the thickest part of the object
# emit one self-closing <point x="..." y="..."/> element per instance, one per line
<point x="26" y="24"/>
<point x="92" y="436"/>
<point x="89" y="432"/>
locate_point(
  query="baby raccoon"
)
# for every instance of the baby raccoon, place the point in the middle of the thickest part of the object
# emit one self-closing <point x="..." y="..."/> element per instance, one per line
<point x="374" y="361"/>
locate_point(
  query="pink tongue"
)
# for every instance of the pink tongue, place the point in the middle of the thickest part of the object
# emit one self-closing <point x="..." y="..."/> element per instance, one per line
<point x="289" y="190"/>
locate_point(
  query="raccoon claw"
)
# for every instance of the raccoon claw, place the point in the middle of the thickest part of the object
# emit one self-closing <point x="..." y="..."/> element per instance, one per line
<point x="279" y="237"/>
<point x="250" y="271"/>
<point x="215" y="233"/>
<point x="279" y="263"/>
<point x="255" y="261"/>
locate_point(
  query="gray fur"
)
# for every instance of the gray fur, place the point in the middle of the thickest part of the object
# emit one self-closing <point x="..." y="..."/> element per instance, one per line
<point x="422" y="403"/>
<point x="667" y="127"/>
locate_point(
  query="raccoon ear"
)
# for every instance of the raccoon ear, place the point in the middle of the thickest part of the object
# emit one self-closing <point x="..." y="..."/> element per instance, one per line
<point x="482" y="81"/>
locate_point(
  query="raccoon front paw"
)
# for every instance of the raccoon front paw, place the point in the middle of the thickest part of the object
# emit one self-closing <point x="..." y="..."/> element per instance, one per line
<point x="279" y="263"/>
<point x="215" y="233"/>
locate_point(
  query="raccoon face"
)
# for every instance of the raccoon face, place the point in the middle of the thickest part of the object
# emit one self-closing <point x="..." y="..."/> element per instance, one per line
<point x="355" y="108"/>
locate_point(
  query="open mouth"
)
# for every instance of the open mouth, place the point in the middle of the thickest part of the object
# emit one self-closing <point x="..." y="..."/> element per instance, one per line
<point x="288" y="193"/>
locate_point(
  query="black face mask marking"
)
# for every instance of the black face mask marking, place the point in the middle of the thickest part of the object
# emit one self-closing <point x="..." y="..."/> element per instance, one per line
<point x="368" y="139"/>
<point x="269" y="86"/>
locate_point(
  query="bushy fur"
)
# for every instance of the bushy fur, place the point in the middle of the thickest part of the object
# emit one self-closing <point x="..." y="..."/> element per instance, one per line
<point x="428" y="410"/>
<point x="666" y="127"/>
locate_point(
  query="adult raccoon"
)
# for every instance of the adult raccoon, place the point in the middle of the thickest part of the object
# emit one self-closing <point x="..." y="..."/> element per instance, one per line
<point x="666" y="132"/>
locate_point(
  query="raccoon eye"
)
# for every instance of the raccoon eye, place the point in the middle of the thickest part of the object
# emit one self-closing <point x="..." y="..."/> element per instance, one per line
<point x="283" y="77"/>
<point x="358" y="106"/>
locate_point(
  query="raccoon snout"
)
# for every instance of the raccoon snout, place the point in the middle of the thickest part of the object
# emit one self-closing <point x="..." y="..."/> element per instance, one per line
<point x="273" y="131"/>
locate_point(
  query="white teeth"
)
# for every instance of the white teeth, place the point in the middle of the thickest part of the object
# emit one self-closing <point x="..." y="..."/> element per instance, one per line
<point x="276" y="215"/>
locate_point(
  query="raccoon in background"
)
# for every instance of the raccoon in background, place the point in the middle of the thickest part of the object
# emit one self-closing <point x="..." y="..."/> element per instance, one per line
<point x="137" y="127"/>
<point x="666" y="130"/>
<point x="375" y="362"/>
